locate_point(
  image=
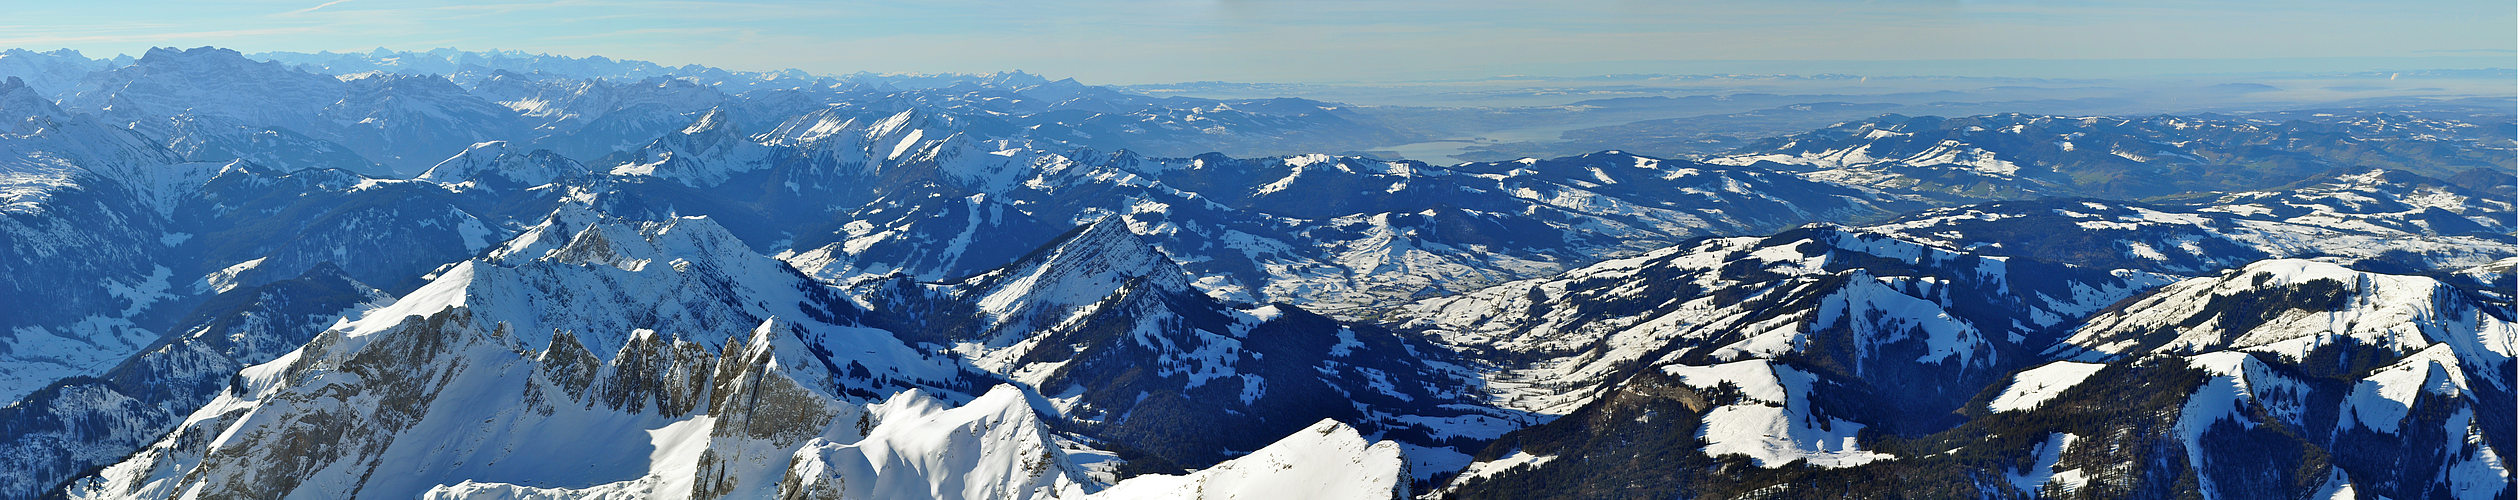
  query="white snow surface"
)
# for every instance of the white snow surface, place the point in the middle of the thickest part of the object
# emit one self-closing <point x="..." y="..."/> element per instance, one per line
<point x="995" y="447"/>
<point x="2401" y="313"/>
<point x="1545" y="314"/>
<point x="2034" y="386"/>
<point x="2451" y="345"/>
<point x="1327" y="461"/>
<point x="1517" y="460"/>
<point x="2354" y="216"/>
<point x="2042" y="473"/>
<point x="1773" y="424"/>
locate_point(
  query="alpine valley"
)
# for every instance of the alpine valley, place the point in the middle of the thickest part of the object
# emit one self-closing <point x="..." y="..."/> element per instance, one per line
<point x="502" y="275"/>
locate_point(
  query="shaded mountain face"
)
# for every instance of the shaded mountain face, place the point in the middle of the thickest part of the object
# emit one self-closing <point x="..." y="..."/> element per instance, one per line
<point x="51" y="73"/>
<point x="2017" y="156"/>
<point x="83" y="233"/>
<point x="74" y="425"/>
<point x="218" y="102"/>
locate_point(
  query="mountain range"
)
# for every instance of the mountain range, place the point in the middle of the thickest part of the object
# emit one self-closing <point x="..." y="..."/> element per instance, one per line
<point x="456" y="274"/>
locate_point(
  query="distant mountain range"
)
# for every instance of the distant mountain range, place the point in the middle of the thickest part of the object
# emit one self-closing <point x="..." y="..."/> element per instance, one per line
<point x="2022" y="156"/>
<point x="404" y="111"/>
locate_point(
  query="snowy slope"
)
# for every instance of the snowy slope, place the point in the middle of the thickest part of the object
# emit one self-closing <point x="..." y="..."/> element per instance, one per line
<point x="1327" y="460"/>
<point x="497" y="165"/>
<point x="2392" y="382"/>
<point x="1791" y="353"/>
<point x="996" y="446"/>
<point x="1556" y="340"/>
<point x="2289" y="308"/>
<point x="2385" y="217"/>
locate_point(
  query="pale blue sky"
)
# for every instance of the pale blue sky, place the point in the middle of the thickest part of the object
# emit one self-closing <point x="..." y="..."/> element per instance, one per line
<point x="1135" y="41"/>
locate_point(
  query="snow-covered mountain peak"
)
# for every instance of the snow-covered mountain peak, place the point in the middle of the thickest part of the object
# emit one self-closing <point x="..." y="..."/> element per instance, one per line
<point x="208" y="80"/>
<point x="465" y="164"/>
<point x="705" y="152"/>
<point x="607" y="279"/>
<point x="1874" y="244"/>
<point x="402" y="83"/>
<point x="714" y="122"/>
<point x="850" y="134"/>
<point x="1089" y="264"/>
<point x="204" y="55"/>
<point x="896" y="123"/>
<point x="1896" y="312"/>
<point x="25" y="108"/>
<point x="2397" y="374"/>
<point x="498" y="162"/>
<point x="45" y="149"/>
<point x="1329" y="460"/>
<point x="14" y="85"/>
<point x="52" y="72"/>
<point x="679" y="242"/>
<point x="214" y="104"/>
<point x="996" y="446"/>
<point x="2293" y="308"/>
<point x="555" y="230"/>
<point x="814" y="127"/>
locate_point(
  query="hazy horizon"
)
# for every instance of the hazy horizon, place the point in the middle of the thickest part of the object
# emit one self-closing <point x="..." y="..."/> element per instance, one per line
<point x="1129" y="42"/>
